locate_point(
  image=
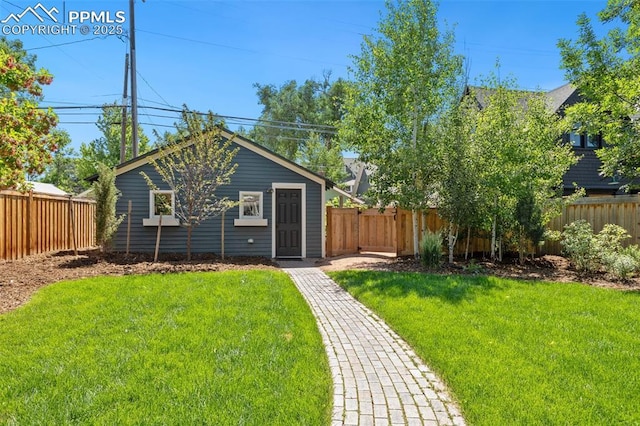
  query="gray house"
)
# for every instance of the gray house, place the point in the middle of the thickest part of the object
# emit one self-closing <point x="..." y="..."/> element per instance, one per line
<point x="280" y="212"/>
<point x="586" y="172"/>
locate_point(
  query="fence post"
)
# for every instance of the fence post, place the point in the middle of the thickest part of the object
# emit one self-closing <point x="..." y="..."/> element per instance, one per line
<point x="29" y="221"/>
<point x="329" y="231"/>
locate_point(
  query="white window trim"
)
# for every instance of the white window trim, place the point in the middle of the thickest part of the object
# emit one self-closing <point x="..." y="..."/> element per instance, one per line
<point x="154" y="219"/>
<point x="250" y="220"/>
<point x="303" y="217"/>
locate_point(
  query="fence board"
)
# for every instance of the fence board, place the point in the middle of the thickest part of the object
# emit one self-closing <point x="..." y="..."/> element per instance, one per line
<point x="34" y="223"/>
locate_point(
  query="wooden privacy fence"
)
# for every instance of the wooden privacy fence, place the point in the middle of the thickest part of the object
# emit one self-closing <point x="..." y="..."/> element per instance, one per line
<point x="350" y="231"/>
<point x="622" y="210"/>
<point x="32" y="223"/>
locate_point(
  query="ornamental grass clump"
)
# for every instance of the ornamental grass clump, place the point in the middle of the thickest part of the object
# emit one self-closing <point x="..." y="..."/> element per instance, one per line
<point x="431" y="249"/>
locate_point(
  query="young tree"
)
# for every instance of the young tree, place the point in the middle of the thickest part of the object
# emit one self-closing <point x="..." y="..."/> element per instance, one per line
<point x="606" y="72"/>
<point x="106" y="149"/>
<point x="522" y="155"/>
<point x="106" y="195"/>
<point x="458" y="198"/>
<point x="194" y="169"/>
<point x="26" y="142"/>
<point x="404" y="80"/>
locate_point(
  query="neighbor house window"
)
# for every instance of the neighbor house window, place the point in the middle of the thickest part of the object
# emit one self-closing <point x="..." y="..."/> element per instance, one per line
<point x="161" y="203"/>
<point x="251" y="210"/>
<point x="575" y="139"/>
<point x="583" y="140"/>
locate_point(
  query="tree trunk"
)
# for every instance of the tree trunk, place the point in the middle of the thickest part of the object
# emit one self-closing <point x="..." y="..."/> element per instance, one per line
<point x="189" y="229"/>
<point x="493" y="238"/>
<point x="452" y="241"/>
<point x="416" y="237"/>
<point x="466" y="250"/>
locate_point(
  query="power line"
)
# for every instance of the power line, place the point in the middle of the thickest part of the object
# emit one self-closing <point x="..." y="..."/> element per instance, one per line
<point x="67" y="43"/>
<point x="271" y="124"/>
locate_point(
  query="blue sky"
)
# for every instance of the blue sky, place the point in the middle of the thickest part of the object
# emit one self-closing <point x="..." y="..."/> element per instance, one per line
<point x="208" y="54"/>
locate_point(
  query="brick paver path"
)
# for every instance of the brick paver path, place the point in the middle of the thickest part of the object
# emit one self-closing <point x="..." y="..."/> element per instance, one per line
<point x="378" y="379"/>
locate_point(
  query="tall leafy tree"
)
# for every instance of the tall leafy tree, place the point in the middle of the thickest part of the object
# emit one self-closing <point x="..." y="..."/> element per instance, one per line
<point x="26" y="142"/>
<point x="405" y="78"/>
<point x="459" y="191"/>
<point x="195" y="168"/>
<point x="606" y="71"/>
<point x="62" y="170"/>
<point x="316" y="156"/>
<point x="522" y="157"/>
<point x="294" y="114"/>
<point x="106" y="148"/>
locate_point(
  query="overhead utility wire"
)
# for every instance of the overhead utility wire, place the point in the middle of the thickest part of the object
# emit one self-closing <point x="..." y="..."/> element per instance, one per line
<point x="325" y="128"/>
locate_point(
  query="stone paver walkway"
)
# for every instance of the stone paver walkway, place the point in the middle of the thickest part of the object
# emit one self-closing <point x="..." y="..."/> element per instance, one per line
<point x="378" y="379"/>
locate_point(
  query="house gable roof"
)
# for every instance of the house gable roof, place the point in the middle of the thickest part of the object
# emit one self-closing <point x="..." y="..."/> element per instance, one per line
<point x="558" y="98"/>
<point x="147" y="157"/>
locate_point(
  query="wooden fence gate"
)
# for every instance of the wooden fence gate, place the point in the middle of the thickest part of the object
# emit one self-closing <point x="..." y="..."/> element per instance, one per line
<point x="350" y="230"/>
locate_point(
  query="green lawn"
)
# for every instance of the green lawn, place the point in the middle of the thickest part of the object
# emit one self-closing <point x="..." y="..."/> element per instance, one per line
<point x="516" y="352"/>
<point x="224" y="348"/>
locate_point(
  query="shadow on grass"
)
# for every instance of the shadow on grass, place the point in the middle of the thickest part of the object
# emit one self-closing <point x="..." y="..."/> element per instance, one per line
<point x="449" y="288"/>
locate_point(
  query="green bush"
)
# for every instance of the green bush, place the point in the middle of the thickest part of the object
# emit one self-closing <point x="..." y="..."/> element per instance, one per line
<point x="589" y="252"/>
<point x="579" y="245"/>
<point x="431" y="249"/>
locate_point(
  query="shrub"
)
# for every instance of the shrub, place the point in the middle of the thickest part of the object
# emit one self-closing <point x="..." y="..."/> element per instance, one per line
<point x="622" y="266"/>
<point x="106" y="195"/>
<point x="579" y="245"/>
<point x="589" y="252"/>
<point x="431" y="249"/>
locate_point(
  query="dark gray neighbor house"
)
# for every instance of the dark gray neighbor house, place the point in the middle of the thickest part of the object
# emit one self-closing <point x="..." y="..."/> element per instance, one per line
<point x="586" y="172"/>
<point x="281" y="211"/>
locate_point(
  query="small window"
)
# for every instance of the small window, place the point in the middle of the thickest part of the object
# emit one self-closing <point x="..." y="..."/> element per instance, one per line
<point x="251" y="210"/>
<point x="250" y="205"/>
<point x="593" y="141"/>
<point x="162" y="203"/>
<point x="575" y="139"/>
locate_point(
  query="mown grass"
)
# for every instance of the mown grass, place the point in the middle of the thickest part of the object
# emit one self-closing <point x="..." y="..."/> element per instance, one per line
<point x="516" y="352"/>
<point x="225" y="348"/>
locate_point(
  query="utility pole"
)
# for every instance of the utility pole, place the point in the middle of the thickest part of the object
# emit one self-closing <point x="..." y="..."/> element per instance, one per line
<point x="134" y="84"/>
<point x="123" y="134"/>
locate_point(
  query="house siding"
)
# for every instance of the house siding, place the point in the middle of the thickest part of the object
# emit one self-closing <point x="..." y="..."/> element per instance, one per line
<point x="254" y="173"/>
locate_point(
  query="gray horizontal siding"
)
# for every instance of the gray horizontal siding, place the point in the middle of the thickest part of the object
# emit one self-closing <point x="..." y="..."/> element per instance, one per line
<point x="254" y="173"/>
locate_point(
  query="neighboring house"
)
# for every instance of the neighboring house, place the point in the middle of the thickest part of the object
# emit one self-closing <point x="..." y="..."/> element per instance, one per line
<point x="586" y="173"/>
<point x="281" y="211"/>
<point x="343" y="197"/>
<point x="358" y="177"/>
<point x="46" y="188"/>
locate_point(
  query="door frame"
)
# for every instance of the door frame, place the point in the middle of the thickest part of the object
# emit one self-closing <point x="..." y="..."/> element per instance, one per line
<point x="303" y="217"/>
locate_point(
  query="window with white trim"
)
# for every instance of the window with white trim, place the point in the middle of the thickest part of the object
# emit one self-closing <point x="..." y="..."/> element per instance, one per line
<point x="161" y="203"/>
<point x="250" y="205"/>
<point x="251" y="209"/>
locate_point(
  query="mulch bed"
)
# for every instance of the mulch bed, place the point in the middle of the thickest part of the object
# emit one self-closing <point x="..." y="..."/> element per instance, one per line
<point x="19" y="279"/>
